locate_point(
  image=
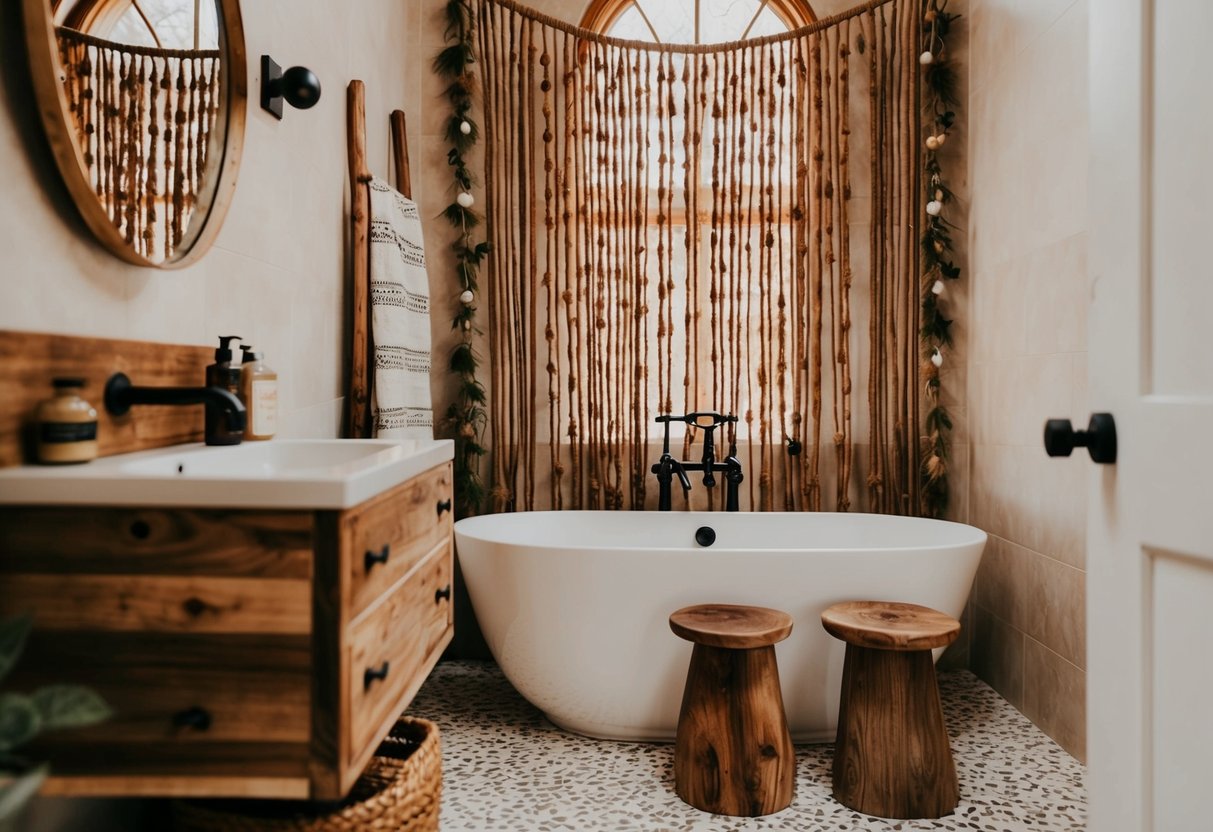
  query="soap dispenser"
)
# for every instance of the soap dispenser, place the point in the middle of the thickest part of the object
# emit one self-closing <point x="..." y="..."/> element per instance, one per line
<point x="223" y="375"/>
<point x="259" y="392"/>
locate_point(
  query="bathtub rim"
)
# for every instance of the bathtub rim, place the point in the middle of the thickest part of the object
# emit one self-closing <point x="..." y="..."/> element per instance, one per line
<point x="978" y="536"/>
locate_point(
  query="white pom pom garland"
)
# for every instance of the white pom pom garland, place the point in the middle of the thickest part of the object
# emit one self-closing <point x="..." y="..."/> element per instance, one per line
<point x="465" y="200"/>
<point x="467" y="297"/>
<point x="934" y="207"/>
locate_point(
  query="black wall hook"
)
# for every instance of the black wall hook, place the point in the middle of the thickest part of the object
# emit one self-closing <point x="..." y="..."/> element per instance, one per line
<point x="298" y="86"/>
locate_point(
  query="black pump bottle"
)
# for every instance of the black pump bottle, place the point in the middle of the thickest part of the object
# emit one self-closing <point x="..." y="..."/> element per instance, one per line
<point x="222" y="374"/>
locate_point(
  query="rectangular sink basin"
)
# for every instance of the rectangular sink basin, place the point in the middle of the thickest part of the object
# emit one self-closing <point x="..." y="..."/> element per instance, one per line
<point x="281" y="473"/>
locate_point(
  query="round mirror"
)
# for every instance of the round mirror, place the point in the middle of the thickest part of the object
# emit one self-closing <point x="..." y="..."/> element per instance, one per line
<point x="143" y="102"/>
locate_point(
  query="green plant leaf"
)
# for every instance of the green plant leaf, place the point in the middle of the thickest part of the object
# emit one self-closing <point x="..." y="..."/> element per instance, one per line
<point x="13" y="634"/>
<point x="19" y="720"/>
<point x="15" y="794"/>
<point x="69" y="706"/>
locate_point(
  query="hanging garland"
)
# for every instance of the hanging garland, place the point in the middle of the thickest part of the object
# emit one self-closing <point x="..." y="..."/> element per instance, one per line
<point x="466" y="416"/>
<point x="940" y="99"/>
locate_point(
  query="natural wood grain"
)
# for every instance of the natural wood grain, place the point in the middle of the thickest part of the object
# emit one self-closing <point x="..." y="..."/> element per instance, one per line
<point x="152" y="785"/>
<point x="404" y="521"/>
<point x="28" y="362"/>
<point x="887" y="625"/>
<point x="245" y="615"/>
<point x="171" y="759"/>
<point x="731" y="625"/>
<point x="400" y="153"/>
<point x="892" y="758"/>
<point x="330" y="690"/>
<point x="223" y="543"/>
<point x="358" y="396"/>
<point x="733" y="754"/>
<point x="160" y="603"/>
<point x="251" y="687"/>
<point x="46" y="71"/>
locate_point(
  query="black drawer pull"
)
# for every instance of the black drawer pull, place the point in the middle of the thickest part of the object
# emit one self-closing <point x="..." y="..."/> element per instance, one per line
<point x="195" y="718"/>
<point x="443" y="505"/>
<point x="440" y="594"/>
<point x="371" y="675"/>
<point x="381" y="556"/>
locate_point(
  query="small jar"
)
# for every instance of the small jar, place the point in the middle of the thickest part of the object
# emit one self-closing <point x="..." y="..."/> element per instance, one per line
<point x="67" y="425"/>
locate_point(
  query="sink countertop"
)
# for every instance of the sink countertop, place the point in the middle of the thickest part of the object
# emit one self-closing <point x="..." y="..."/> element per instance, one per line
<point x="282" y="473"/>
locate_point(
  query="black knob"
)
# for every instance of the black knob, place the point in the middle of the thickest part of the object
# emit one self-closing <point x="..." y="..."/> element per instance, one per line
<point x="1099" y="438"/>
<point x="443" y="505"/>
<point x="300" y="87"/>
<point x="195" y="719"/>
<point x="372" y="675"/>
<point x="372" y="558"/>
<point x="705" y="535"/>
<point x="441" y="594"/>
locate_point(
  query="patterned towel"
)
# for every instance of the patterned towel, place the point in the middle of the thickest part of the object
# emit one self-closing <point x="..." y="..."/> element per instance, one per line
<point x="400" y="318"/>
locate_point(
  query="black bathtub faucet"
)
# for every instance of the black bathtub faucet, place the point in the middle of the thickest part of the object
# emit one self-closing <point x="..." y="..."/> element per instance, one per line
<point x="667" y="467"/>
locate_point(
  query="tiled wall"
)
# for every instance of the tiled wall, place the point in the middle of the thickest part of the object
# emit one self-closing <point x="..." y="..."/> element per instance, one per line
<point x="276" y="273"/>
<point x="1026" y="347"/>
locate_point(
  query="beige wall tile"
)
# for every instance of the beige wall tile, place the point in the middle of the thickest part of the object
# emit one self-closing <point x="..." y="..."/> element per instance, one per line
<point x="998" y="655"/>
<point x="1055" y="697"/>
<point x="1002" y="582"/>
<point x="1056" y="616"/>
<point x="1027" y="146"/>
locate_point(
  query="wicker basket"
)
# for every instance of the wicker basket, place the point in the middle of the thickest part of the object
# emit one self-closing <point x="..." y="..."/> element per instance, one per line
<point x="400" y="791"/>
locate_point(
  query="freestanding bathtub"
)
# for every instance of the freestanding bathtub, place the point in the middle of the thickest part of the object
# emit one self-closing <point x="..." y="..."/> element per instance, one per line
<point x="574" y="604"/>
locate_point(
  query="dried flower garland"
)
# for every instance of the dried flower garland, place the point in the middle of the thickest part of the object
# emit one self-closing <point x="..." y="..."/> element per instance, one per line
<point x="466" y="416"/>
<point x="940" y="101"/>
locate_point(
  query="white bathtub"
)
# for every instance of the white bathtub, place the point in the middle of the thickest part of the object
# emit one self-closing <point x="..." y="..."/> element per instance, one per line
<point x="574" y="604"/>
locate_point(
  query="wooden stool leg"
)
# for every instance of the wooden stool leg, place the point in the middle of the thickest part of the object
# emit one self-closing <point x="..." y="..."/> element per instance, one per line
<point x="892" y="757"/>
<point x="733" y="754"/>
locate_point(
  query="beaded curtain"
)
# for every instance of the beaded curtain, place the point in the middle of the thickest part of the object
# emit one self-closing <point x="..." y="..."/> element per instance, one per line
<point x="703" y="227"/>
<point x="144" y="118"/>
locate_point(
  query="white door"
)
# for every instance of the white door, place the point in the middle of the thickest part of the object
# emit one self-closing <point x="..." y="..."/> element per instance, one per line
<point x="1150" y="539"/>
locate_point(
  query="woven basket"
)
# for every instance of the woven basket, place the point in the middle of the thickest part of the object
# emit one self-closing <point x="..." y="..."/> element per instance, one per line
<point x="400" y="791"/>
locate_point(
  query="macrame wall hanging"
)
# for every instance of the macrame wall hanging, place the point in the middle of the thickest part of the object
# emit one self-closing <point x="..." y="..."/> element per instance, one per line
<point x="144" y="117"/>
<point x="678" y="228"/>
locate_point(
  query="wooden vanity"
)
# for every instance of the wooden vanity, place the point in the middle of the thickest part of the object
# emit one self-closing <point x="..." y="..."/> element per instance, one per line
<point x="259" y="653"/>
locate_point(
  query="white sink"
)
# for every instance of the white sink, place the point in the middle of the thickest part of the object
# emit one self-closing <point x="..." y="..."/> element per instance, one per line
<point x="281" y="473"/>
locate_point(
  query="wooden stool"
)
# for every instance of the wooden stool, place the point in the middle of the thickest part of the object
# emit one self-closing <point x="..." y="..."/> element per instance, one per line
<point x="892" y="757"/>
<point x="733" y="754"/>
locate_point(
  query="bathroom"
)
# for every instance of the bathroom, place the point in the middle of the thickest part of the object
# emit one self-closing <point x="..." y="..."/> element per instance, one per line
<point x="1068" y="694"/>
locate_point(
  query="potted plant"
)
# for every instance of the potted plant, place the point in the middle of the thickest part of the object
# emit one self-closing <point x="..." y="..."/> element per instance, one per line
<point x="25" y="715"/>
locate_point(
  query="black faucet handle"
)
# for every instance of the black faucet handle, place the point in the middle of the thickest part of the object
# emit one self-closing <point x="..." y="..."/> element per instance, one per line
<point x="682" y="475"/>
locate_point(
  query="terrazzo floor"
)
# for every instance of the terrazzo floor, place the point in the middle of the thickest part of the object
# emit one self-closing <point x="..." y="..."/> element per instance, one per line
<point x="507" y="769"/>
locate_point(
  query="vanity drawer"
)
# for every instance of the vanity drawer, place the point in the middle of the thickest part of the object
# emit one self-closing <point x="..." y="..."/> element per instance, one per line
<point x="389" y="649"/>
<point x="166" y="689"/>
<point x="392" y="533"/>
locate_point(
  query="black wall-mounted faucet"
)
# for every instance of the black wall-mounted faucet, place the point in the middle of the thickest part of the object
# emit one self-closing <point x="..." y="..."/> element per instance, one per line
<point x="667" y="467"/>
<point x="120" y="395"/>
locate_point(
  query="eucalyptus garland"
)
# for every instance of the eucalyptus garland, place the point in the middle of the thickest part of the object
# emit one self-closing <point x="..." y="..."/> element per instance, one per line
<point x="466" y="417"/>
<point x="938" y="263"/>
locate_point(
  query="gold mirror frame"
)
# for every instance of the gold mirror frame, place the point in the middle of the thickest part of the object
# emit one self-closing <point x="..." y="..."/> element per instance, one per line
<point x="47" y="70"/>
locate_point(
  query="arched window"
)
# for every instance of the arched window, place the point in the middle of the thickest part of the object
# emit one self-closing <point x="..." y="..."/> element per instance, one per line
<point x="696" y="21"/>
<point x="162" y="24"/>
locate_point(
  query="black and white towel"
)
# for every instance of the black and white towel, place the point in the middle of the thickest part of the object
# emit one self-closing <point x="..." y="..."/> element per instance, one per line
<point x="400" y="317"/>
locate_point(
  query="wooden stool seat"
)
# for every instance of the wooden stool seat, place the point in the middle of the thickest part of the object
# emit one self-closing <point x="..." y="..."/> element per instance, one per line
<point x="887" y="625"/>
<point x="733" y="754"/>
<point x="731" y="626"/>
<point x="891" y="757"/>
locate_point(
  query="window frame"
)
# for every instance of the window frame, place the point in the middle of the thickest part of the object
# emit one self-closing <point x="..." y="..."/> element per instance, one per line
<point x="602" y="14"/>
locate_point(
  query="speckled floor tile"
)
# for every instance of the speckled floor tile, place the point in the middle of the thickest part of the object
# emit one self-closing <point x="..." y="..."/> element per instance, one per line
<point x="506" y="768"/>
